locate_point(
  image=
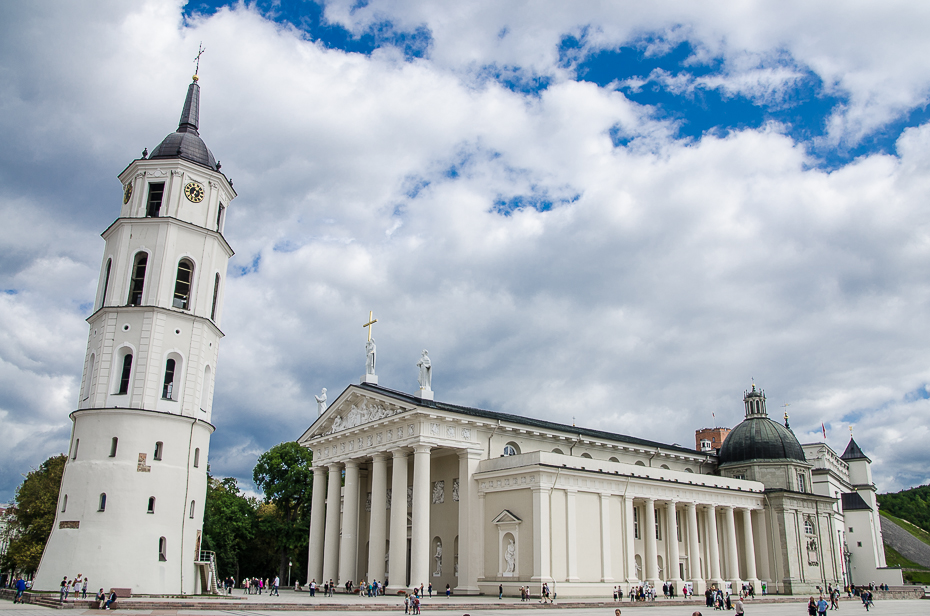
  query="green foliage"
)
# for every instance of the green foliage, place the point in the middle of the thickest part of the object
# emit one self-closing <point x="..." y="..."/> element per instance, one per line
<point x="912" y="505"/>
<point x="284" y="474"/>
<point x="228" y="523"/>
<point x="35" y="504"/>
<point x="894" y="559"/>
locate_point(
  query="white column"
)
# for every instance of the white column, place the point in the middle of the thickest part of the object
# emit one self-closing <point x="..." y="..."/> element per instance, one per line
<point x="694" y="551"/>
<point x="333" y="505"/>
<point x="479" y="539"/>
<point x="348" y="547"/>
<point x="672" y="572"/>
<point x="420" y="530"/>
<point x="378" y="520"/>
<point x="467" y="583"/>
<point x="542" y="555"/>
<point x="732" y="555"/>
<point x="629" y="544"/>
<point x="713" y="544"/>
<point x="397" y="558"/>
<point x="571" y="533"/>
<point x="317" y="525"/>
<point x="651" y="565"/>
<point x="750" y="548"/>
<point x="606" y="574"/>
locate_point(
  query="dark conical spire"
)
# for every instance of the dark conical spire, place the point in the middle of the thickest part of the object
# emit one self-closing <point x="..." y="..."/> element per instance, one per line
<point x="186" y="142"/>
<point x="190" y="115"/>
<point x="853" y="452"/>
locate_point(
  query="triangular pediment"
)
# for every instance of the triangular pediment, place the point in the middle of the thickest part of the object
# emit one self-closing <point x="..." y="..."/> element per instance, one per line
<point x="506" y="517"/>
<point x="353" y="408"/>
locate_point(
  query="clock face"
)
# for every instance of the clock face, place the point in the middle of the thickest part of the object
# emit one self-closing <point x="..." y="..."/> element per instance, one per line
<point x="127" y="193"/>
<point x="194" y="192"/>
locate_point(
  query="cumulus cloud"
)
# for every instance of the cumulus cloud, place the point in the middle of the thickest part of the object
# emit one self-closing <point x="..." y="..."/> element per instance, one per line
<point x="549" y="271"/>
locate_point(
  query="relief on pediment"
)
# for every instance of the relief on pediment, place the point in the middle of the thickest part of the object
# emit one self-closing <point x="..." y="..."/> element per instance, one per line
<point x="364" y="412"/>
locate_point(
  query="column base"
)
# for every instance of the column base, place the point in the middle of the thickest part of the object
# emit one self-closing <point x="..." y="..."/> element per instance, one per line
<point x="466" y="590"/>
<point x="371" y="379"/>
<point x="736" y="586"/>
<point x="393" y="590"/>
<point x="425" y="394"/>
<point x="698" y="586"/>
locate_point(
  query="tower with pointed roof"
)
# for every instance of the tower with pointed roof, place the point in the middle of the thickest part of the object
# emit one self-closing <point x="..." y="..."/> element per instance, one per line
<point x="130" y="510"/>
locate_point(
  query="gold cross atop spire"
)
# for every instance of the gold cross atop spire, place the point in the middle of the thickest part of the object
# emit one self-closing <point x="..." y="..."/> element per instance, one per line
<point x="200" y="51"/>
<point x="369" y="324"/>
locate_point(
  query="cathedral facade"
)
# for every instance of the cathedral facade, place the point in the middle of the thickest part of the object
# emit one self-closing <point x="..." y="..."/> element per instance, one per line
<point x="414" y="491"/>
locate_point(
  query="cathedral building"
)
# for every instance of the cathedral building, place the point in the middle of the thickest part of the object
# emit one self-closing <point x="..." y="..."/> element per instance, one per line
<point x="415" y="491"/>
<point x="130" y="510"/>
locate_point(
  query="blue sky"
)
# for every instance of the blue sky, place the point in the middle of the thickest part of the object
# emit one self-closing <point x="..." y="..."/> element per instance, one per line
<point x="617" y="214"/>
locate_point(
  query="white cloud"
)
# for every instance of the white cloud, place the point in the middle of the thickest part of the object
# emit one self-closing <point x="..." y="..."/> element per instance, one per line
<point x="665" y="276"/>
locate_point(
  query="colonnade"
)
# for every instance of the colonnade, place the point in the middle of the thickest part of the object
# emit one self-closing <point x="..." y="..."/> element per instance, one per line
<point x="718" y="567"/>
<point x="333" y="555"/>
<point x="335" y="524"/>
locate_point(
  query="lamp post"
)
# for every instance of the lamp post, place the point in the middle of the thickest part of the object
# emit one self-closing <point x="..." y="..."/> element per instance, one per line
<point x="289" y="563"/>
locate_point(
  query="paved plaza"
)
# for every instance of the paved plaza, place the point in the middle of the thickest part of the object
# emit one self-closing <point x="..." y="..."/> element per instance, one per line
<point x="261" y="605"/>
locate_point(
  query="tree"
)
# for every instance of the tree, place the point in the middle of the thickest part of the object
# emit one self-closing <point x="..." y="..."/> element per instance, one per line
<point x="284" y="475"/>
<point x="34" y="507"/>
<point x="228" y="524"/>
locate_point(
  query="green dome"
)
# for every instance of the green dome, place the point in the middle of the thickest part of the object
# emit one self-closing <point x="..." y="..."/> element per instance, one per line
<point x="759" y="438"/>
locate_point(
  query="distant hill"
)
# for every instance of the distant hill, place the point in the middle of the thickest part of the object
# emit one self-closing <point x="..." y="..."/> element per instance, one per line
<point x="912" y="505"/>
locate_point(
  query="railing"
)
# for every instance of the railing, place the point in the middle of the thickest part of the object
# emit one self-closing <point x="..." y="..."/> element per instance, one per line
<point x="207" y="556"/>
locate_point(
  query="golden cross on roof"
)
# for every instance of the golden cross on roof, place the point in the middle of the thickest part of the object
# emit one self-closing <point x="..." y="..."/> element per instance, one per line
<point x="369" y="324"/>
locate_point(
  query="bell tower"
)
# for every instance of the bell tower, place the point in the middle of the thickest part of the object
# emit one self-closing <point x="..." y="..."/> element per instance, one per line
<point x="130" y="510"/>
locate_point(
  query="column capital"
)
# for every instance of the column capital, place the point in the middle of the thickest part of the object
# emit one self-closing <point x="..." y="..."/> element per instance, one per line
<point x="335" y="467"/>
<point x="379" y="456"/>
<point x="471" y="454"/>
<point x="400" y="452"/>
<point x="648" y="499"/>
<point x="422" y="447"/>
<point x="351" y="463"/>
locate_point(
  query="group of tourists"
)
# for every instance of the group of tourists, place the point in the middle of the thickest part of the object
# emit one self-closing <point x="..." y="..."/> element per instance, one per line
<point x="412" y="599"/>
<point x="644" y="592"/>
<point x="77" y="585"/>
<point x="252" y="586"/>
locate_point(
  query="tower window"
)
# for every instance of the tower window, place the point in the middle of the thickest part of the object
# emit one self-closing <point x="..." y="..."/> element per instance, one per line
<point x="808" y="526"/>
<point x="219" y="218"/>
<point x="103" y="502"/>
<point x="151" y="504"/>
<point x="159" y="447"/>
<point x="162" y="549"/>
<point x="137" y="284"/>
<point x="802" y="484"/>
<point x="636" y="522"/>
<point x="114" y="442"/>
<point x="192" y="510"/>
<point x="153" y="206"/>
<point x="106" y="282"/>
<point x="168" y="389"/>
<point x="64" y="503"/>
<point x="77" y="442"/>
<point x="197" y="457"/>
<point x="126" y="373"/>
<point x="658" y="527"/>
<point x="182" y="286"/>
<point x="216" y="294"/>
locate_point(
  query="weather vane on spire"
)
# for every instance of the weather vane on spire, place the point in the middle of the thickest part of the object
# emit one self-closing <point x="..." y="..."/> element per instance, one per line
<point x="200" y="51"/>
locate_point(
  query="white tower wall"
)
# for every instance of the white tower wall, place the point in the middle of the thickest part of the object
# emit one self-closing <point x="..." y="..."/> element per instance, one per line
<point x="142" y="427"/>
